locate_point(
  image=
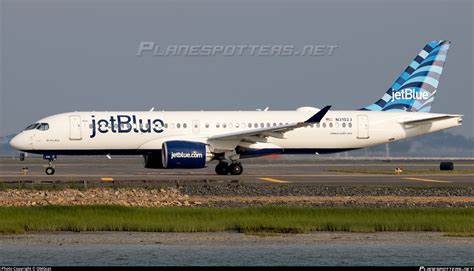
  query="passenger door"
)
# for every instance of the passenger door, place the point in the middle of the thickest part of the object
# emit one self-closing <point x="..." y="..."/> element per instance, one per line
<point x="362" y="127"/>
<point x="75" y="130"/>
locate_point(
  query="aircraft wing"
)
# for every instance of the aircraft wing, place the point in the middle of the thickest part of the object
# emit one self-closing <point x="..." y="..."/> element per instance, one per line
<point x="260" y="135"/>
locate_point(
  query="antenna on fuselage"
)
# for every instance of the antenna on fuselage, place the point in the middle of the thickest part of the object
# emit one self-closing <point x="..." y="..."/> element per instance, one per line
<point x="152" y="109"/>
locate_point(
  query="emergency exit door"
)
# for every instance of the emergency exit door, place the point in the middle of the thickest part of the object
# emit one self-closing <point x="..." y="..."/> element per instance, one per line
<point x="362" y="127"/>
<point x="75" y="130"/>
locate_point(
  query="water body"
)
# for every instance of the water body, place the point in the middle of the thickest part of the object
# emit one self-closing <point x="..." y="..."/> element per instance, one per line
<point x="233" y="249"/>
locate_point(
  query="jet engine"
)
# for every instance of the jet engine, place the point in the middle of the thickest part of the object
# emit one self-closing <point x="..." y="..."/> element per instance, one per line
<point x="153" y="160"/>
<point x="185" y="154"/>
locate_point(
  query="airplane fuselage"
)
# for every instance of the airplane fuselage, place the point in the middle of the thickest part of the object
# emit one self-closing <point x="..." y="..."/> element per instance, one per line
<point x="126" y="133"/>
<point x="191" y="139"/>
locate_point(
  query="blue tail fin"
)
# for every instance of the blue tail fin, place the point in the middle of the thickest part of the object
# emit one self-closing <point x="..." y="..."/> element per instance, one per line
<point x="416" y="87"/>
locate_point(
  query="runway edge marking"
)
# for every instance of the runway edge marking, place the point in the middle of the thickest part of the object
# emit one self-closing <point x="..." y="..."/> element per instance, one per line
<point x="273" y="180"/>
<point x="106" y="179"/>
<point x="427" y="180"/>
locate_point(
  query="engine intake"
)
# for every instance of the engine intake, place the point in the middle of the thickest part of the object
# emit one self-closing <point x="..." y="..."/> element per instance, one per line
<point x="153" y="160"/>
<point x="185" y="154"/>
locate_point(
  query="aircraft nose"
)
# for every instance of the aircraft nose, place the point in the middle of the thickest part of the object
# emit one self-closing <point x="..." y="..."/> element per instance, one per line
<point x="19" y="142"/>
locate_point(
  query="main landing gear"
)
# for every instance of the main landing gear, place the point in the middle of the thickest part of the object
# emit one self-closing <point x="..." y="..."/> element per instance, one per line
<point x="50" y="169"/>
<point x="223" y="168"/>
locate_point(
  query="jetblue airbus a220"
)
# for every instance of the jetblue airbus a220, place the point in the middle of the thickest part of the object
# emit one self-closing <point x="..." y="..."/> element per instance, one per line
<point x="192" y="139"/>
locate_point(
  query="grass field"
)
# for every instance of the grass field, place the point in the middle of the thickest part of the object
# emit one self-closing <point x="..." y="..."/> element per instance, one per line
<point x="454" y="221"/>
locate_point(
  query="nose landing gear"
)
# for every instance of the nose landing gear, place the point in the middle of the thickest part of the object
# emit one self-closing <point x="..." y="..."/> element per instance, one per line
<point x="50" y="169"/>
<point x="235" y="168"/>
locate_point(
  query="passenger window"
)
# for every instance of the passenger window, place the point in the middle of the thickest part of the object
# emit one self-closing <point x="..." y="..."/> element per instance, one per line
<point x="350" y="124"/>
<point x="262" y="124"/>
<point x="178" y="125"/>
<point x="207" y="125"/>
<point x="330" y="125"/>
<point x="230" y="125"/>
<point x="343" y="125"/>
<point x="324" y="125"/>
<point x="172" y="125"/>
<point x="318" y="125"/>
<point x="274" y="124"/>
<point x="237" y="125"/>
<point x="224" y="125"/>
<point x="218" y="125"/>
<point x="166" y="125"/>
<point x="268" y="124"/>
<point x="250" y="125"/>
<point x="255" y="125"/>
<point x="185" y="125"/>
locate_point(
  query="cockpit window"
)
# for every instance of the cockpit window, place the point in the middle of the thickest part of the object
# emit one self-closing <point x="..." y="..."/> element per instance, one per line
<point x="38" y="126"/>
<point x="43" y="127"/>
<point x="32" y="126"/>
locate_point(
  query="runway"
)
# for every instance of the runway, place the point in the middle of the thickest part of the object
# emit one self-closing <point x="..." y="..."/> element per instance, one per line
<point x="267" y="170"/>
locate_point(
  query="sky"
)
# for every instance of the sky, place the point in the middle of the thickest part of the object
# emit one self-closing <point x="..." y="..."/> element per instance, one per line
<point x="60" y="56"/>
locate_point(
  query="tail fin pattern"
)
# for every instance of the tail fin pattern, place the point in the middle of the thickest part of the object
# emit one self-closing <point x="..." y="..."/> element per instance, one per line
<point x="416" y="87"/>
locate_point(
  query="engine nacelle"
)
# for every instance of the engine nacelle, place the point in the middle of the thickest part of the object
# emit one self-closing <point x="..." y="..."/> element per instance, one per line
<point x="185" y="154"/>
<point x="153" y="160"/>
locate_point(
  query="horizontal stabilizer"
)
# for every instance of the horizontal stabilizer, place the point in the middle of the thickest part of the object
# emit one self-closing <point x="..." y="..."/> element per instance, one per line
<point x="419" y="121"/>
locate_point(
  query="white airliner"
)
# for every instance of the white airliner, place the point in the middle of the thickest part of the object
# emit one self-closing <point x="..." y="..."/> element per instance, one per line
<point x="192" y="139"/>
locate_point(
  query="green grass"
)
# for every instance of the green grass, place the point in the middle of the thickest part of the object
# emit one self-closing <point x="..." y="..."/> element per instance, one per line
<point x="405" y="171"/>
<point x="247" y="220"/>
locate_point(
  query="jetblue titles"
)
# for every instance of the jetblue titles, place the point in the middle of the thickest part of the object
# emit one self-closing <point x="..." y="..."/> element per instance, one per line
<point x="409" y="94"/>
<point x="125" y="124"/>
<point x="181" y="154"/>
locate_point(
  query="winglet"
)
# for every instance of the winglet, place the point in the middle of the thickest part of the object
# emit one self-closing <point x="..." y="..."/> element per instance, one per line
<point x="319" y="116"/>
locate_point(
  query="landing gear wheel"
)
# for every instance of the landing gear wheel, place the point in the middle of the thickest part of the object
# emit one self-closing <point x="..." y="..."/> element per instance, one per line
<point x="222" y="169"/>
<point x="49" y="171"/>
<point x="50" y="157"/>
<point x="236" y="169"/>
